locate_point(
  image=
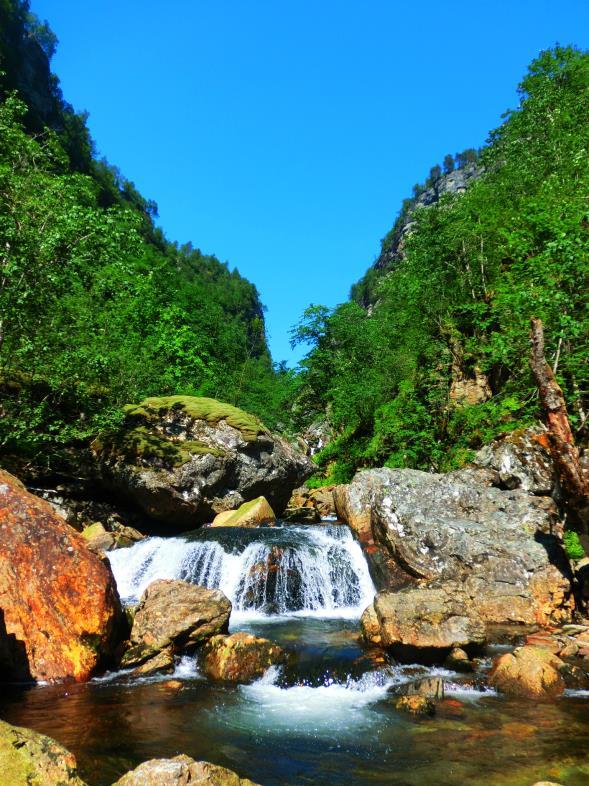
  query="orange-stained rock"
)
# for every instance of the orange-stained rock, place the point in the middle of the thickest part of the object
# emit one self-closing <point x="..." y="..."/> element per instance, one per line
<point x="528" y="672"/>
<point x="59" y="603"/>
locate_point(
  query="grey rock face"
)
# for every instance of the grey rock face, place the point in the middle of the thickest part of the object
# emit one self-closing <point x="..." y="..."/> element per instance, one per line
<point x="188" y="469"/>
<point x="521" y="460"/>
<point x="435" y="618"/>
<point x="456" y="527"/>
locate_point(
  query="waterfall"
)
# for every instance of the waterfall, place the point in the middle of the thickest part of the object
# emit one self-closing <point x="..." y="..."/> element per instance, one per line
<point x="307" y="570"/>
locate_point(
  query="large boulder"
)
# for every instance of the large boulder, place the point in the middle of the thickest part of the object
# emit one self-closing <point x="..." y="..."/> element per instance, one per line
<point x="496" y="543"/>
<point x="250" y="514"/>
<point x="60" y="611"/>
<point x="240" y="657"/>
<point x="426" y="623"/>
<point x="181" y="771"/>
<point x="172" y="617"/>
<point x="528" y="672"/>
<point x="31" y="759"/>
<point x="183" y="460"/>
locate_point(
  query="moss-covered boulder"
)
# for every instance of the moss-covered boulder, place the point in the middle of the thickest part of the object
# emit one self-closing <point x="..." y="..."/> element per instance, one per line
<point x="250" y="514"/>
<point x="183" y="460"/>
<point x="31" y="759"/>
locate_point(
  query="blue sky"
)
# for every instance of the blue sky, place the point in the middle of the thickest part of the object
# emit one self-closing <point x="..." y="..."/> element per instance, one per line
<point x="282" y="136"/>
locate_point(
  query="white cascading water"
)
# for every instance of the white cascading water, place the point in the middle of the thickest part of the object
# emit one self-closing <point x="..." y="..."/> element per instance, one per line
<point x="303" y="571"/>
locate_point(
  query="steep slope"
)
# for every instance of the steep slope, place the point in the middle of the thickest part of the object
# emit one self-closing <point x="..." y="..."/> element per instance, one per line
<point x="439" y="363"/>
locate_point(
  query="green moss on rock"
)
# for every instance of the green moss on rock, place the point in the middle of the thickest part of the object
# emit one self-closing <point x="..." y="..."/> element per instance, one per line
<point x="208" y="409"/>
<point x="31" y="759"/>
<point x="142" y="444"/>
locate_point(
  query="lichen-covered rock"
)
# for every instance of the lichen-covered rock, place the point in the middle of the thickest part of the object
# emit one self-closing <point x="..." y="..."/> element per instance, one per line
<point x="494" y="542"/>
<point x="182" y="460"/>
<point x="31" y="759"/>
<point x="426" y="623"/>
<point x="174" y="616"/>
<point x="250" y="514"/>
<point x="528" y="672"/>
<point x="521" y="460"/>
<point x="240" y="657"/>
<point x="319" y="500"/>
<point x="60" y="607"/>
<point x="181" y="771"/>
<point x="301" y="515"/>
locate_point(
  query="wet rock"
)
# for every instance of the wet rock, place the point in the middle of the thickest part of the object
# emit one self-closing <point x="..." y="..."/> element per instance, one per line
<point x="458" y="660"/>
<point x="416" y="705"/>
<point x="182" y="460"/>
<point x="528" y="672"/>
<point x="181" y="771"/>
<point x="61" y="611"/>
<point x="240" y="657"/>
<point x="31" y="759"/>
<point x="175" y="616"/>
<point x="432" y="688"/>
<point x="301" y="515"/>
<point x="370" y="626"/>
<point x="455" y="527"/>
<point x="250" y="514"/>
<point x="162" y="663"/>
<point x="424" y="624"/>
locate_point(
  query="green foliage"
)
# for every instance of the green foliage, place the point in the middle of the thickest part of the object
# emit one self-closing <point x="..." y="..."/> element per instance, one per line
<point x="573" y="546"/>
<point x="96" y="307"/>
<point x="457" y="302"/>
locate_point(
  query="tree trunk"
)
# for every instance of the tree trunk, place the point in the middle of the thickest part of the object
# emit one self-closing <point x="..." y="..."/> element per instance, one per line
<point x="574" y="484"/>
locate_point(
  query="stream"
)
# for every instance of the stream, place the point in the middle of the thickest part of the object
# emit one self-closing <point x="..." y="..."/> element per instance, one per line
<point x="328" y="718"/>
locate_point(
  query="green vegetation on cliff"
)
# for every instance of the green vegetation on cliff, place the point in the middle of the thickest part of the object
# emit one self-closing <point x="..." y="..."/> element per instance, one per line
<point x="97" y="308"/>
<point x="440" y="363"/>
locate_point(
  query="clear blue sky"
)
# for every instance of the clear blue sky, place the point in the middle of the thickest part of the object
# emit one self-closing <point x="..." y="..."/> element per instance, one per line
<point x="282" y="136"/>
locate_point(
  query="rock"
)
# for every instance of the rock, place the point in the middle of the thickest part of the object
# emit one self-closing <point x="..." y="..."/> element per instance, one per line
<point x="61" y="610"/>
<point x="521" y="460"/>
<point x="415" y="705"/>
<point x="31" y="759"/>
<point x="181" y="771"/>
<point x="370" y="626"/>
<point x="316" y="436"/>
<point x="547" y="783"/>
<point x="529" y="673"/>
<point x="458" y="660"/>
<point x="98" y="539"/>
<point x="250" y="514"/>
<point x="456" y="527"/>
<point x="319" y="500"/>
<point x="426" y="623"/>
<point x="182" y="460"/>
<point x="240" y="657"/>
<point x="301" y="515"/>
<point x="175" y="616"/>
<point x="162" y="663"/>
<point x="432" y="688"/>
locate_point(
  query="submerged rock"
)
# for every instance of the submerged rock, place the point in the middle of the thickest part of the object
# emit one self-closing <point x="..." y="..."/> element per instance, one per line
<point x="181" y="771"/>
<point x="172" y="617"/>
<point x="240" y="657"/>
<point x="60" y="607"/>
<point x="31" y="759"/>
<point x="250" y="514"/>
<point x="496" y="543"/>
<point x="528" y="672"/>
<point x="426" y="623"/>
<point x="416" y="705"/>
<point x="182" y="460"/>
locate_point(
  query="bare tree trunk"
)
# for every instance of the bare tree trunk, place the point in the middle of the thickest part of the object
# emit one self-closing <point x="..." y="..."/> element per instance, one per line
<point x="561" y="441"/>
